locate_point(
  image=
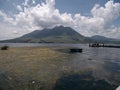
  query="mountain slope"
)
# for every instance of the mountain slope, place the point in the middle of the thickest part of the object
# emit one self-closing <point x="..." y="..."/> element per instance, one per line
<point x="56" y="35"/>
<point x="105" y="39"/>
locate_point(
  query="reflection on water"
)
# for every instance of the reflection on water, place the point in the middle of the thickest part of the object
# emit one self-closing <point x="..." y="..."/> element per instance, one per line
<point x="103" y="62"/>
<point x="82" y="82"/>
<point x="94" y="69"/>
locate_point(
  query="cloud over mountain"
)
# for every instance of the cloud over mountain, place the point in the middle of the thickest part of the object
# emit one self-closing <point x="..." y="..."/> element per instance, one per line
<point x="46" y="15"/>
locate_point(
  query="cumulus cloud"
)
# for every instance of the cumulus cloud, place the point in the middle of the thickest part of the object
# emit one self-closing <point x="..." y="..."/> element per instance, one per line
<point x="118" y="88"/>
<point x="33" y="2"/>
<point x="45" y="15"/>
<point x="101" y="21"/>
<point x="10" y="31"/>
<point x="19" y="7"/>
<point x="26" y="3"/>
<point x="109" y="13"/>
<point x="6" y="18"/>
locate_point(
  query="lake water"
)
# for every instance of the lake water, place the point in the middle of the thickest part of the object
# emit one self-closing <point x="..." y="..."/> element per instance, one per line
<point x="101" y="63"/>
<point x="40" y="45"/>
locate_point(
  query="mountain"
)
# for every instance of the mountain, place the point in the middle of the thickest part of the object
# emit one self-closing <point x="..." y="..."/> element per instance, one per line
<point x="58" y="34"/>
<point x="103" y="39"/>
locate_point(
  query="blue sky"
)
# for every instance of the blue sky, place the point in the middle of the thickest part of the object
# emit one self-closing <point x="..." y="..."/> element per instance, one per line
<point x="77" y="6"/>
<point x="70" y="6"/>
<point x="88" y="17"/>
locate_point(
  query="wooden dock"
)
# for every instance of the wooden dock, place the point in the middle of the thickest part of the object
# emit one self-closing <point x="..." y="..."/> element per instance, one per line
<point x="111" y="46"/>
<point x="103" y="45"/>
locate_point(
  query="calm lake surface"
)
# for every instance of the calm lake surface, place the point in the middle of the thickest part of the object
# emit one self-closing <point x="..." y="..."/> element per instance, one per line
<point x="101" y="63"/>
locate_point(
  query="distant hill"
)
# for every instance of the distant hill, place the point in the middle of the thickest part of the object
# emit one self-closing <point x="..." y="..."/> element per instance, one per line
<point x="59" y="34"/>
<point x="56" y="35"/>
<point x="103" y="39"/>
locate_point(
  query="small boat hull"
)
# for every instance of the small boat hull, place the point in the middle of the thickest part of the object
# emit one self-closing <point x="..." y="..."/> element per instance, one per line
<point x="76" y="50"/>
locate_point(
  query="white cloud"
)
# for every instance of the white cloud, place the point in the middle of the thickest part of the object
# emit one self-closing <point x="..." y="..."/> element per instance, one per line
<point x="45" y="15"/>
<point x="15" y="32"/>
<point x="26" y="3"/>
<point x="6" y="18"/>
<point x="118" y="88"/>
<point x="109" y="13"/>
<point x="33" y="2"/>
<point x="19" y="7"/>
<point x="9" y="31"/>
